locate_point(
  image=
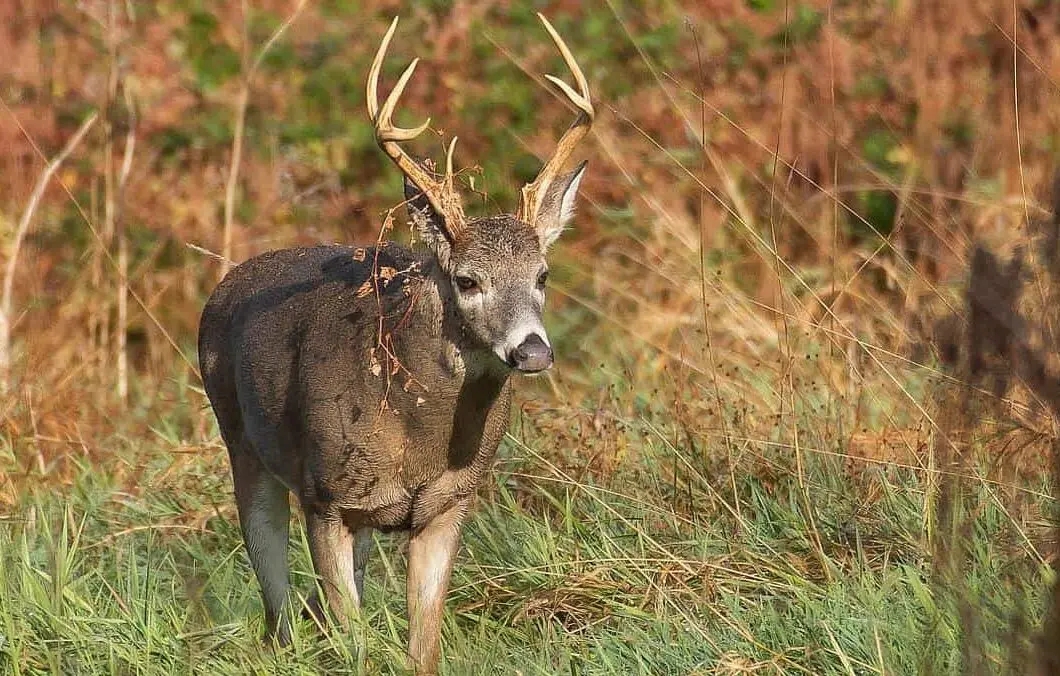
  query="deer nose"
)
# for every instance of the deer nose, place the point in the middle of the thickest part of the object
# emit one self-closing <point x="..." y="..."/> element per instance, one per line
<point x="532" y="355"/>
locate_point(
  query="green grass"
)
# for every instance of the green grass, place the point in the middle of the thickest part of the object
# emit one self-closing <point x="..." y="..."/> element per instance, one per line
<point x="643" y="575"/>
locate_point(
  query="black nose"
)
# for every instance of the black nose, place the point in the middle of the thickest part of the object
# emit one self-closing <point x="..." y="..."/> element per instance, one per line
<point x="532" y="355"/>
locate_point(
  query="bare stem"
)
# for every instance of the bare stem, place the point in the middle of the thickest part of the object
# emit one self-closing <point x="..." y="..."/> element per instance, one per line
<point x="232" y="183"/>
<point x="113" y="226"/>
<point x="233" y="176"/>
<point x="123" y="258"/>
<point x="6" y="299"/>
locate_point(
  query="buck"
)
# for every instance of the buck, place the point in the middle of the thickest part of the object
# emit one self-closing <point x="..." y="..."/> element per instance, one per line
<point x="373" y="382"/>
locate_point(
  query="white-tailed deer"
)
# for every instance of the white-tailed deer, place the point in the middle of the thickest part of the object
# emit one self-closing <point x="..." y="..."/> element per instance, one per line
<point x="373" y="383"/>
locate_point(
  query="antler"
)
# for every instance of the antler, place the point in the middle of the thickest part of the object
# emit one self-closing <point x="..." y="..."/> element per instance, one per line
<point x="441" y="194"/>
<point x="534" y="193"/>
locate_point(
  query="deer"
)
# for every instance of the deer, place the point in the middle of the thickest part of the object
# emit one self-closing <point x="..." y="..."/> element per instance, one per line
<point x="374" y="383"/>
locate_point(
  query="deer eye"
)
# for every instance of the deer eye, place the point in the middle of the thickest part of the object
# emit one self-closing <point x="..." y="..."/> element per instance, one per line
<point x="542" y="279"/>
<point x="466" y="283"/>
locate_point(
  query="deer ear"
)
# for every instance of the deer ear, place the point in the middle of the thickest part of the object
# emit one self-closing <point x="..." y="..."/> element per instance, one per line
<point x="428" y="223"/>
<point x="557" y="208"/>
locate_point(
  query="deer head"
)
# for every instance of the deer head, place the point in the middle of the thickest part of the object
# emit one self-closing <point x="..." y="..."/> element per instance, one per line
<point x="494" y="266"/>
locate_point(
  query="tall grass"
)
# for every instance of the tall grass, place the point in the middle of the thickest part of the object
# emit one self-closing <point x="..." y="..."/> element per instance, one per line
<point x="557" y="574"/>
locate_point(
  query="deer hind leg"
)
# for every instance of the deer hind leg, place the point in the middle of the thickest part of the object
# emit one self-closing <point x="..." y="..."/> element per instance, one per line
<point x="340" y="555"/>
<point x="431" y="553"/>
<point x="362" y="549"/>
<point x="264" y="518"/>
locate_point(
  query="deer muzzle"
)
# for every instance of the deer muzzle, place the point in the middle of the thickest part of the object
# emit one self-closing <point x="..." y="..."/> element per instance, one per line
<point x="533" y="355"/>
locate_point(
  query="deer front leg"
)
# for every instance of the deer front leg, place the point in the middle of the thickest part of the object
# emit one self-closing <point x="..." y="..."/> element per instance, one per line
<point x="431" y="552"/>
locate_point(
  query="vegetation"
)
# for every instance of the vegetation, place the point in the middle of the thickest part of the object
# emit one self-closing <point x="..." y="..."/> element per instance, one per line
<point x="792" y="427"/>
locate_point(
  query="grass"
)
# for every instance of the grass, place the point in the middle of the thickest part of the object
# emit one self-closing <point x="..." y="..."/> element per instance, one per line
<point x="558" y="573"/>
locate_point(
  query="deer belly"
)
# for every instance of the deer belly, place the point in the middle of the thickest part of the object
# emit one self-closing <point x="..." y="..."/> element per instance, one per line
<point x="392" y="507"/>
<point x="385" y="505"/>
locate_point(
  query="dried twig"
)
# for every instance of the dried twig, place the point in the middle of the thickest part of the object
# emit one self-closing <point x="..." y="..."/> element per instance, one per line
<point x="206" y="252"/>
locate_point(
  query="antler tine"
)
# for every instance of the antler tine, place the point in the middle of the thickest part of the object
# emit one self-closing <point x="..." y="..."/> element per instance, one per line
<point x="442" y="194"/>
<point x="580" y="98"/>
<point x="394" y="132"/>
<point x="372" y="88"/>
<point x="449" y="163"/>
<point x="534" y="193"/>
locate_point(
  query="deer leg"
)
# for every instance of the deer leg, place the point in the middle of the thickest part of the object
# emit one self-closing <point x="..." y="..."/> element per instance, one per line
<point x="264" y="518"/>
<point x="431" y="552"/>
<point x="362" y="549"/>
<point x="331" y="544"/>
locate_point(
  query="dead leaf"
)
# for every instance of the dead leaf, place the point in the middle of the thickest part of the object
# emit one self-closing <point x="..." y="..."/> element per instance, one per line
<point x="388" y="224"/>
<point x="374" y="365"/>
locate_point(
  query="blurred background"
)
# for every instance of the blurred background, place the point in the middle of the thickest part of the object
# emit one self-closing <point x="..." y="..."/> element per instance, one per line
<point x="779" y="400"/>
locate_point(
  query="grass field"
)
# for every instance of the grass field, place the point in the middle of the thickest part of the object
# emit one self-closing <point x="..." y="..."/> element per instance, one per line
<point x="643" y="573"/>
<point x="775" y="439"/>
